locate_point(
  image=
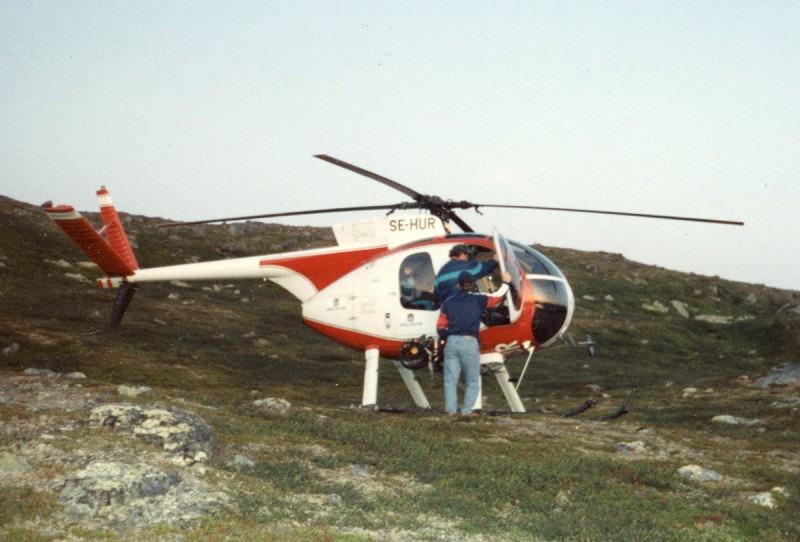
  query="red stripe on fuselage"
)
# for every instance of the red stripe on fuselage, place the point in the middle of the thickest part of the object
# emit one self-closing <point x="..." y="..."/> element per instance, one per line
<point x="356" y="340"/>
<point x="325" y="269"/>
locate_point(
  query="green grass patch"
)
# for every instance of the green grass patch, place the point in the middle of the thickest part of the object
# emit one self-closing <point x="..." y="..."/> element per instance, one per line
<point x="19" y="504"/>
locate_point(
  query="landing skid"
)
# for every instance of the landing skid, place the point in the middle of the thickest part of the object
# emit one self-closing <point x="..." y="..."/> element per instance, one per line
<point x="568" y="414"/>
<point x="490" y="364"/>
<point x="580" y="409"/>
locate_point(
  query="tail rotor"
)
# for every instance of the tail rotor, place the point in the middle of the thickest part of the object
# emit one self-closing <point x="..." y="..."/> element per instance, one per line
<point x="124" y="297"/>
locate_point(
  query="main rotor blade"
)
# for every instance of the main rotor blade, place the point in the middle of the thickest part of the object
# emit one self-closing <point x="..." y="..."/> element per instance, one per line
<point x="618" y="213"/>
<point x="374" y="176"/>
<point x="461" y="224"/>
<point x="291" y="213"/>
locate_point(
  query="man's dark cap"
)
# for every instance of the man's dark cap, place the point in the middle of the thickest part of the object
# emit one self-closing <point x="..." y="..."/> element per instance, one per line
<point x="459" y="249"/>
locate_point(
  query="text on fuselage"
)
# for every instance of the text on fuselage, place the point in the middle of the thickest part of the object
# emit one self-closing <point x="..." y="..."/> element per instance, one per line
<point x="412" y="224"/>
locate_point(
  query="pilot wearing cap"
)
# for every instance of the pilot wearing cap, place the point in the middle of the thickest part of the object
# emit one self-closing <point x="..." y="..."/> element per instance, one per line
<point x="446" y="283"/>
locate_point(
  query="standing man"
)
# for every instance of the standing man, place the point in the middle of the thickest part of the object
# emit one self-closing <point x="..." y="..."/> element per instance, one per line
<point x="446" y="281"/>
<point x="459" y="322"/>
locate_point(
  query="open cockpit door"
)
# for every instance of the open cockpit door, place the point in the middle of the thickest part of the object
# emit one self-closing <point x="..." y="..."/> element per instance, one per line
<point x="508" y="262"/>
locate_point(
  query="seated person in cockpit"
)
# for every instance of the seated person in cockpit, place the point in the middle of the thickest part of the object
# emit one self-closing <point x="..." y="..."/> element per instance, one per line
<point x="411" y="296"/>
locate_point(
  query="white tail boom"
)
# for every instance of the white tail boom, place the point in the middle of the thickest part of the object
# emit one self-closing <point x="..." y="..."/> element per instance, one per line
<point x="302" y="273"/>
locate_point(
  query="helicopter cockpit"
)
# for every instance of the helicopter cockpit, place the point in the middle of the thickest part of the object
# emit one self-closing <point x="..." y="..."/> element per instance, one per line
<point x="417" y="274"/>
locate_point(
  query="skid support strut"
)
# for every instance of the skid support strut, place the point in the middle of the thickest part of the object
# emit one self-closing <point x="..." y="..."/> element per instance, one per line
<point x="495" y="363"/>
<point x="413" y="386"/>
<point x="514" y="402"/>
<point x="370" y="395"/>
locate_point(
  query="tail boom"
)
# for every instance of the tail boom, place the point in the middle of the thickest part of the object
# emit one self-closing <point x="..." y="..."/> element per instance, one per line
<point x="302" y="273"/>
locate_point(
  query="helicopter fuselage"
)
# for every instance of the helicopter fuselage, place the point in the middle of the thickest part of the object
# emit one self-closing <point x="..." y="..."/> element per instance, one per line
<point x="370" y="305"/>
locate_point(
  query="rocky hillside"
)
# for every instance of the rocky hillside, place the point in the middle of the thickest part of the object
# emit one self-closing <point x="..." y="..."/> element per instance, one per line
<point x="214" y="412"/>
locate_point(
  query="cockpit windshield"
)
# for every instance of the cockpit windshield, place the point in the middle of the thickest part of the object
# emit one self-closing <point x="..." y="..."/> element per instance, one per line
<point x="553" y="296"/>
<point x="508" y="262"/>
<point x="534" y="262"/>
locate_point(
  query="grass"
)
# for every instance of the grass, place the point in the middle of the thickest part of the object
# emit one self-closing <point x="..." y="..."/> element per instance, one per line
<point x="23" y="503"/>
<point x="518" y="487"/>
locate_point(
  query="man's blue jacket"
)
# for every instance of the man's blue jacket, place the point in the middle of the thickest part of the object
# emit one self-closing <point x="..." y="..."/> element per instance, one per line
<point x="461" y="313"/>
<point x="446" y="283"/>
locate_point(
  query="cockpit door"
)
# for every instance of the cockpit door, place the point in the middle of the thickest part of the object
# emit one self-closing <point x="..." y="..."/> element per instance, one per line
<point x="508" y="262"/>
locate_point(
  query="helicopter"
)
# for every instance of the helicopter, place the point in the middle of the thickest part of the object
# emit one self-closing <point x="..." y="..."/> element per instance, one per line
<point x="374" y="290"/>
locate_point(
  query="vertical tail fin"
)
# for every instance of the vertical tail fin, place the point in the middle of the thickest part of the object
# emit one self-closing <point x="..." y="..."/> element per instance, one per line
<point x="114" y="231"/>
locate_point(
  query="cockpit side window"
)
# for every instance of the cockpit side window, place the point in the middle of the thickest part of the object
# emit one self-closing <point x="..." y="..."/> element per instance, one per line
<point x="416" y="278"/>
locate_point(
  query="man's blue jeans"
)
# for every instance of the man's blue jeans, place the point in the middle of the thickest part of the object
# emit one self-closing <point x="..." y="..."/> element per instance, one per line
<point x="461" y="353"/>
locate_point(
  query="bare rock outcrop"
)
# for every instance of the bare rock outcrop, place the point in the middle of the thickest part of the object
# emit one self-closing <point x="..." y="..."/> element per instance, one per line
<point x="81" y="448"/>
<point x="171" y="429"/>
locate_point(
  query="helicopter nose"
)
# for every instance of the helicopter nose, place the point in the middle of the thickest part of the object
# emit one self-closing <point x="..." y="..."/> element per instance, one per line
<point x="553" y="297"/>
<point x="555" y="305"/>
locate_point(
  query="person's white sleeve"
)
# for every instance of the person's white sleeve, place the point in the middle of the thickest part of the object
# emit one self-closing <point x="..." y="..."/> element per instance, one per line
<point x="501" y="291"/>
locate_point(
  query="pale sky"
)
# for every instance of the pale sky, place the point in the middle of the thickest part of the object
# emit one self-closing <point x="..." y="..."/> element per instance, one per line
<point x="192" y="110"/>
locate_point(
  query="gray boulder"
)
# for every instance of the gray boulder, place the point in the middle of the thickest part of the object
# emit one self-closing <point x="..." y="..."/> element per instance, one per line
<point x="785" y="376"/>
<point x="699" y="474"/>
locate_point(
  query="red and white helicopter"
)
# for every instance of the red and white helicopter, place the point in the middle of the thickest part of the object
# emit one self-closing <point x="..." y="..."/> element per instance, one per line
<point x="360" y="293"/>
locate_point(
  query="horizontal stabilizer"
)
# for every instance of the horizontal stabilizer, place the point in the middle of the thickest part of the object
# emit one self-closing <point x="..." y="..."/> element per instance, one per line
<point x="80" y="231"/>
